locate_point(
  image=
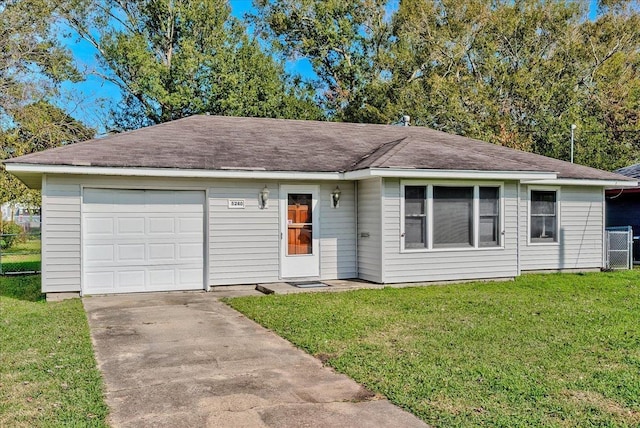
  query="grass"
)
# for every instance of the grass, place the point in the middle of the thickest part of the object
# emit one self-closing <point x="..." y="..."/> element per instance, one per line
<point x="30" y="246"/>
<point x="22" y="257"/>
<point x="48" y="374"/>
<point x="545" y="350"/>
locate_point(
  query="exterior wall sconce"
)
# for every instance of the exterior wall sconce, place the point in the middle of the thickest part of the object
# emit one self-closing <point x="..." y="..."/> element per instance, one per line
<point x="264" y="197"/>
<point x="335" y="197"/>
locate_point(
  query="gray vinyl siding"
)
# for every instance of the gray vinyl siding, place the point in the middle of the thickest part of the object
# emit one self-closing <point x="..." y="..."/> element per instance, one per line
<point x="244" y="245"/>
<point x="581" y="230"/>
<point x="370" y="222"/>
<point x="434" y="265"/>
<point x="338" y="232"/>
<point x="61" y="259"/>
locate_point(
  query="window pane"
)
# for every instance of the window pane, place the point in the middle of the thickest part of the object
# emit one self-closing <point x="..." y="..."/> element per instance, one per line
<point x="299" y="224"/>
<point x="489" y="231"/>
<point x="415" y="232"/>
<point x="543" y="216"/>
<point x="543" y="229"/>
<point x="452" y="217"/>
<point x="489" y="200"/>
<point x="489" y="216"/>
<point x="414" y="200"/>
<point x="543" y="202"/>
<point x="415" y="224"/>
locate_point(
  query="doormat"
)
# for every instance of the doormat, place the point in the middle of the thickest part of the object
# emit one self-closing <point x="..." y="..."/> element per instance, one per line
<point x="307" y="284"/>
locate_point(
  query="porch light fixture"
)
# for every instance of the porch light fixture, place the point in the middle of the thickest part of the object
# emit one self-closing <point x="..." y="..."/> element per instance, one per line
<point x="264" y="197"/>
<point x="335" y="197"/>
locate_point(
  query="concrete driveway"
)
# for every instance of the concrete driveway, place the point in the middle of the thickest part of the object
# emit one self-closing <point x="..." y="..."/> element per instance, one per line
<point x="185" y="359"/>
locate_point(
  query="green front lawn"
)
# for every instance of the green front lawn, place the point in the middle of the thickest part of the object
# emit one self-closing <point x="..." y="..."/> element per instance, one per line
<point x="21" y="257"/>
<point x="48" y="374"/>
<point x="544" y="350"/>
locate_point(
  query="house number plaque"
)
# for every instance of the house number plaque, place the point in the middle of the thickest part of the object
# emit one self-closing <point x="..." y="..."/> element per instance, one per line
<point x="236" y="204"/>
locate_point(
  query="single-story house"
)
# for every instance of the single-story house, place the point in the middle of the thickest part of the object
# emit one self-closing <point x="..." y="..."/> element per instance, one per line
<point x="207" y="201"/>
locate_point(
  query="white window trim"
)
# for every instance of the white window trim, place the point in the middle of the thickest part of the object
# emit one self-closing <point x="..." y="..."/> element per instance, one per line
<point x="429" y="184"/>
<point x="558" y="214"/>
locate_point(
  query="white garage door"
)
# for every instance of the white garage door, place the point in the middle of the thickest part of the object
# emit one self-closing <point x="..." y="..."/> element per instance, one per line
<point x="142" y="240"/>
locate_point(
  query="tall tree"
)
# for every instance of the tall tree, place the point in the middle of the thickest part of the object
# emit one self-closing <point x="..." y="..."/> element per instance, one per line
<point x="344" y="41"/>
<point x="512" y="72"/>
<point x="33" y="64"/>
<point x="32" y="61"/>
<point x="519" y="73"/>
<point x="174" y="58"/>
<point x="35" y="127"/>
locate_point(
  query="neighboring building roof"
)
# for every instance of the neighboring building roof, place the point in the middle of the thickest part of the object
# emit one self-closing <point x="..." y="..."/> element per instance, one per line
<point x="205" y="142"/>
<point x="632" y="171"/>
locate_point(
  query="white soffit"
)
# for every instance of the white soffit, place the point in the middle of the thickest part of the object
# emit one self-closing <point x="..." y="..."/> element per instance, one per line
<point x="30" y="174"/>
<point x="448" y="174"/>
<point x="25" y="169"/>
<point x="609" y="184"/>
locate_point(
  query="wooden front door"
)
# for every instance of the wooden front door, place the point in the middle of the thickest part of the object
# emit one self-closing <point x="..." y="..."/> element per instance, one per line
<point x="300" y="252"/>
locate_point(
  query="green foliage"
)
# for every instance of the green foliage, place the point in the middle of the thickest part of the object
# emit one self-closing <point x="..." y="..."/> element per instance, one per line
<point x="515" y="73"/>
<point x="174" y="59"/>
<point x="32" y="61"/>
<point x="342" y="39"/>
<point x="34" y="127"/>
<point x="543" y="350"/>
<point x="10" y="234"/>
<point x="33" y="64"/>
<point x="48" y="371"/>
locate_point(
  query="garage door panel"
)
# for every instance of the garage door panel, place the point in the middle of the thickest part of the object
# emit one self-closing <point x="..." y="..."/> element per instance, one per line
<point x="162" y="278"/>
<point x="142" y="240"/>
<point x="131" y="253"/>
<point x="99" y="253"/>
<point x="131" y="226"/>
<point x="162" y="252"/>
<point x="101" y="282"/>
<point x="131" y="280"/>
<point x="99" y="226"/>
<point x="161" y="225"/>
<point x="190" y="225"/>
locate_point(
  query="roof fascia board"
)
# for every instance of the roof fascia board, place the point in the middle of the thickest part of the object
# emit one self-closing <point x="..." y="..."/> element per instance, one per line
<point x="450" y="174"/>
<point x="173" y="173"/>
<point x="609" y="184"/>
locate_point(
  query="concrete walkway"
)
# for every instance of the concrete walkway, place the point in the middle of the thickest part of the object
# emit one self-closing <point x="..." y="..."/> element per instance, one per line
<point x="185" y="359"/>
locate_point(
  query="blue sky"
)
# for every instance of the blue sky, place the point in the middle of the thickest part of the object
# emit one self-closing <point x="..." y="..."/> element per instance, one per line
<point x="89" y="100"/>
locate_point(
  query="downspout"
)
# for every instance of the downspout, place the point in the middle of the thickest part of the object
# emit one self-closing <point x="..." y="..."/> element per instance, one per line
<point x="603" y="263"/>
<point x="355" y="197"/>
<point x="518" y="232"/>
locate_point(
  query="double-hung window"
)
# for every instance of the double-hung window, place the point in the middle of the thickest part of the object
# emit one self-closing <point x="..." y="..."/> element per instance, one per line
<point x="415" y="217"/>
<point x="543" y="222"/>
<point x="444" y="217"/>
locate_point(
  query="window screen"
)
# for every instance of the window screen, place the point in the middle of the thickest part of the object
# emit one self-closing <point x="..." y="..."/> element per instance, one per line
<point x="452" y="217"/>
<point x="415" y="218"/>
<point x="544" y="226"/>
<point x="489" y="225"/>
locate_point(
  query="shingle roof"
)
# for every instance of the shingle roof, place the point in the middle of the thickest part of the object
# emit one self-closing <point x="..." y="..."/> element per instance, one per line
<point x="217" y="142"/>
<point x="632" y="171"/>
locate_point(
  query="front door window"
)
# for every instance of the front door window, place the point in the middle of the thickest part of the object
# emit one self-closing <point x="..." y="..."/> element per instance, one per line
<point x="299" y="224"/>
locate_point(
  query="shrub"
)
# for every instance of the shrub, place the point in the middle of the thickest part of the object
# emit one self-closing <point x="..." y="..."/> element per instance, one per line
<point x="11" y="234"/>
